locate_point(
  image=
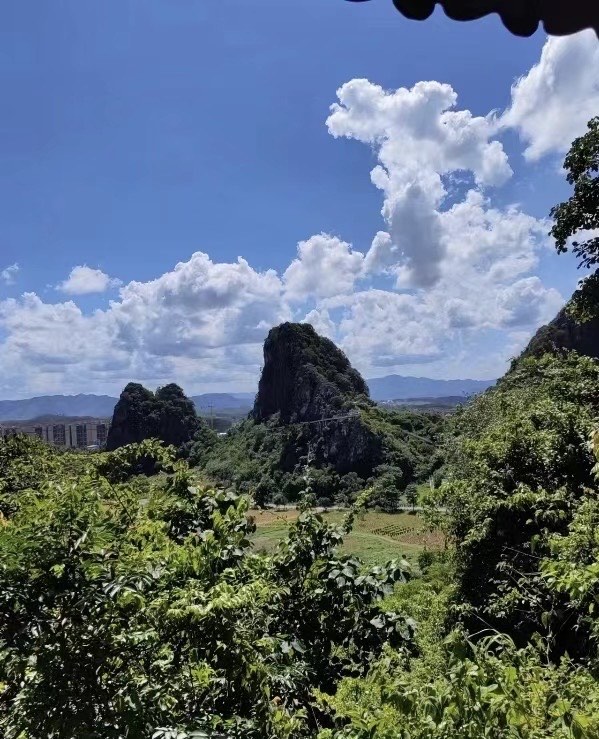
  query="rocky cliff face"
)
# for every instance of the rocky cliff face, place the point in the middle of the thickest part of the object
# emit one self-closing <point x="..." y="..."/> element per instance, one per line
<point x="140" y="414"/>
<point x="307" y="378"/>
<point x="564" y="333"/>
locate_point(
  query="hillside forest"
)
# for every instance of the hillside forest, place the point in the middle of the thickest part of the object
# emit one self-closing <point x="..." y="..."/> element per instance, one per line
<point x="134" y="601"/>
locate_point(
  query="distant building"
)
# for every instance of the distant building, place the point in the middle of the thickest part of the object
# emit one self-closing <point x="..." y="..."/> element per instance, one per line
<point x="102" y="433"/>
<point x="59" y="437"/>
<point x="81" y="435"/>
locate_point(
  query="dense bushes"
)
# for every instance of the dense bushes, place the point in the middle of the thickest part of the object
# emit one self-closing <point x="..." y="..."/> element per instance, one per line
<point x="135" y="606"/>
<point x="255" y="457"/>
<point x="522" y="510"/>
<point x="521" y="469"/>
<point x="486" y="689"/>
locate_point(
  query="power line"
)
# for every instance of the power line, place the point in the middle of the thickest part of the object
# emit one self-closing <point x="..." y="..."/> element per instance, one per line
<point x="352" y="414"/>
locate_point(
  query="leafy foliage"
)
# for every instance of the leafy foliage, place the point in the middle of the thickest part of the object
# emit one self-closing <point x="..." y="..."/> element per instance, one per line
<point x="135" y="606"/>
<point x="580" y="213"/>
<point x="267" y="459"/>
<point x="521" y="470"/>
<point x="490" y="689"/>
<point x="461" y="686"/>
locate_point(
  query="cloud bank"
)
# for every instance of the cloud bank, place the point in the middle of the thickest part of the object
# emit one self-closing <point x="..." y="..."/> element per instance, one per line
<point x="443" y="272"/>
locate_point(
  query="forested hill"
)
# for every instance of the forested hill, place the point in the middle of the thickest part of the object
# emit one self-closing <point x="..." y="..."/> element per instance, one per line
<point x="168" y="415"/>
<point x="313" y="408"/>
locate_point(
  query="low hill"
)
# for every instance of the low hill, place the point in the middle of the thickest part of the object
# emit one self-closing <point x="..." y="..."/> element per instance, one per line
<point x="102" y="406"/>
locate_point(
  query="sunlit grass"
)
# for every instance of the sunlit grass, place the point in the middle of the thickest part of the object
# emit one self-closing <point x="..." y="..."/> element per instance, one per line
<point x="376" y="538"/>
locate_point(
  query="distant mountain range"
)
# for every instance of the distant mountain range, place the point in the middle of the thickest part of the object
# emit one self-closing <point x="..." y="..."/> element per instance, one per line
<point x="391" y="387"/>
<point x="396" y="387"/>
<point x="223" y="401"/>
<point x="92" y="406"/>
<point x="102" y="406"/>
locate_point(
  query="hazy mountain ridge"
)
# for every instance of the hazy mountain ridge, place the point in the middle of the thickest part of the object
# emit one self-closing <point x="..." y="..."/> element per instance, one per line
<point x="396" y="387"/>
<point x="223" y="401"/>
<point x="91" y="406"/>
<point x="390" y="387"/>
<point x="102" y="406"/>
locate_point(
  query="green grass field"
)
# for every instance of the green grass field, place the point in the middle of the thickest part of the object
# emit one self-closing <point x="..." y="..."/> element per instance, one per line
<point x="376" y="538"/>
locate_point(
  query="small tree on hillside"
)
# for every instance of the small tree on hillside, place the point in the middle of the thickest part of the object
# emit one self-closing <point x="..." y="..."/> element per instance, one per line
<point x="412" y="494"/>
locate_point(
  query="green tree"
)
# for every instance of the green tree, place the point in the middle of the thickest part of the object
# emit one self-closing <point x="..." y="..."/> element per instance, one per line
<point x="519" y="468"/>
<point x="580" y="214"/>
<point x="135" y="606"/>
<point x="412" y="494"/>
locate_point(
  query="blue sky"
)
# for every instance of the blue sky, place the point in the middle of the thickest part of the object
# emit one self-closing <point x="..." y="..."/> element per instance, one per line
<point x="135" y="134"/>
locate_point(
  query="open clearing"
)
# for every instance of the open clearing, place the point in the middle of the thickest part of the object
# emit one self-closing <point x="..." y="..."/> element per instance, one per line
<point x="376" y="538"/>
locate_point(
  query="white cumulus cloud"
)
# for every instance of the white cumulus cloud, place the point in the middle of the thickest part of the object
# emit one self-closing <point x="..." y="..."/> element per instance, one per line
<point x="84" y="280"/>
<point x="325" y="266"/>
<point x="200" y="320"/>
<point x="9" y="273"/>
<point x="419" y="138"/>
<point x="552" y="103"/>
<point x="198" y="305"/>
<point x="448" y="281"/>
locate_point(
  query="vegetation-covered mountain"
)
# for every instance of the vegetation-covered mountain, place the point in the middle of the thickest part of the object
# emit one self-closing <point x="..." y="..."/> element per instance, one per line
<point x="313" y="407"/>
<point x="305" y="379"/>
<point x="168" y="415"/>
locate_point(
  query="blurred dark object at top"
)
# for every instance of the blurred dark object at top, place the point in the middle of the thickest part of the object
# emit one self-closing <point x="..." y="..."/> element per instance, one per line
<point x="521" y="17"/>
